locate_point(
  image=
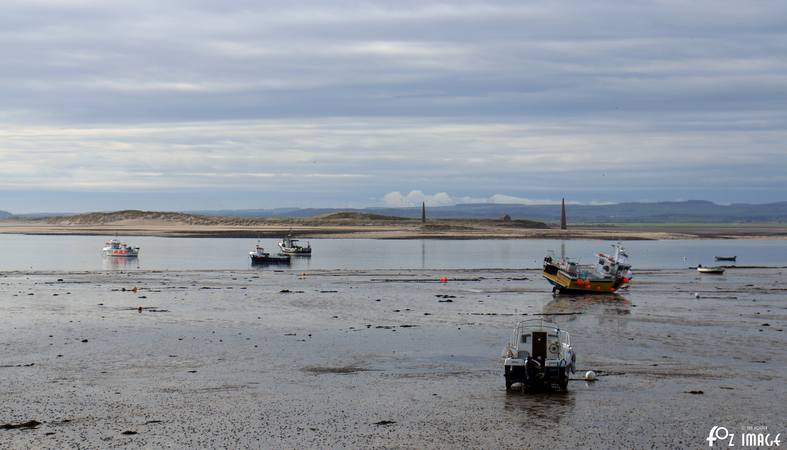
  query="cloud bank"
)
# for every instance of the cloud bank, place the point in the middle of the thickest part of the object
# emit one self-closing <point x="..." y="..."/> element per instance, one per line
<point x="396" y="199"/>
<point x="604" y="100"/>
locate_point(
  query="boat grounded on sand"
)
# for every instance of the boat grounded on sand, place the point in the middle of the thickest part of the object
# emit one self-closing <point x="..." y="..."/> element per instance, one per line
<point x="539" y="355"/>
<point x="610" y="273"/>
<point x="260" y="256"/>
<point x="289" y="246"/>
<point x="118" y="248"/>
<point x="710" y="270"/>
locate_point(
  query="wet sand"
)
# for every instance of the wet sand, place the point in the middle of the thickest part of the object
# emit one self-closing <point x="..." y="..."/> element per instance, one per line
<point x="408" y="229"/>
<point x="375" y="359"/>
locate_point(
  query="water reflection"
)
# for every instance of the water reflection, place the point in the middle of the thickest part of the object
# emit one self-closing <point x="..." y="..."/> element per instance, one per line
<point x="541" y="407"/>
<point x="46" y="252"/>
<point x="610" y="311"/>
<point x="300" y="261"/>
<point x="611" y="304"/>
<point x="117" y="263"/>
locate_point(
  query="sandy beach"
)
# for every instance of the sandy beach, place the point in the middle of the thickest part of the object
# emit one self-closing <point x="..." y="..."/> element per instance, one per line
<point x="348" y="359"/>
<point x="408" y="229"/>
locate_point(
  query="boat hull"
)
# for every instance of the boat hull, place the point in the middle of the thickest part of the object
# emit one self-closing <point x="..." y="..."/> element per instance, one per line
<point x="269" y="259"/>
<point x="568" y="284"/>
<point x="305" y="252"/>
<point x="120" y="253"/>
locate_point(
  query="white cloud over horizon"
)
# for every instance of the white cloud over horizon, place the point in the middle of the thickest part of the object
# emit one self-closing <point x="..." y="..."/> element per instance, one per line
<point x="396" y="199"/>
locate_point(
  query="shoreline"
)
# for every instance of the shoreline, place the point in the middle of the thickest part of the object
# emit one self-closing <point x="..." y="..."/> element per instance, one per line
<point x="454" y="229"/>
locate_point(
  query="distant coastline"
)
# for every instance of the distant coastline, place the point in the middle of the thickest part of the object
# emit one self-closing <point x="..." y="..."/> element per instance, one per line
<point x="371" y="226"/>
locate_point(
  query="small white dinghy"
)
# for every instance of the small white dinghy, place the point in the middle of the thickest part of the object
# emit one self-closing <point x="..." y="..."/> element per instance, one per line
<point x="710" y="270"/>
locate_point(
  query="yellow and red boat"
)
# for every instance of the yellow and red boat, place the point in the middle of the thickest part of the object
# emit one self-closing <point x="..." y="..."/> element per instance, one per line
<point x="608" y="275"/>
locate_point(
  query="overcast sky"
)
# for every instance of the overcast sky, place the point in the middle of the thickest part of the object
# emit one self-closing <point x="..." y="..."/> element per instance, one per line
<point x="199" y="104"/>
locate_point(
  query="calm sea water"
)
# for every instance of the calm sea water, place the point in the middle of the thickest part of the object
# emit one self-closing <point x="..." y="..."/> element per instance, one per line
<point x="22" y="252"/>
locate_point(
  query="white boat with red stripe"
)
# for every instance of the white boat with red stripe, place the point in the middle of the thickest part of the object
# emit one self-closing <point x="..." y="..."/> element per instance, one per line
<point x="120" y="249"/>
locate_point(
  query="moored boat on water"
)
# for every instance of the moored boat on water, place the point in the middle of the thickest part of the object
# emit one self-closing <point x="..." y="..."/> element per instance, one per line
<point x="289" y="246"/>
<point x="260" y="256"/>
<point x="725" y="258"/>
<point x="609" y="274"/>
<point x="115" y="247"/>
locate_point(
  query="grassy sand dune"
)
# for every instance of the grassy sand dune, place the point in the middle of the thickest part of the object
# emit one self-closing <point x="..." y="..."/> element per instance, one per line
<point x="364" y="225"/>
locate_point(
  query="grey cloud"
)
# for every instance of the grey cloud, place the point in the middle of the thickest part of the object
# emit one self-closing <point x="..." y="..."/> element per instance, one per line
<point x="199" y="61"/>
<point x="471" y="98"/>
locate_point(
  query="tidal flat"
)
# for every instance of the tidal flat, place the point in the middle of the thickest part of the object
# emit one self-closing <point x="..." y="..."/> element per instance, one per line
<point x="268" y="358"/>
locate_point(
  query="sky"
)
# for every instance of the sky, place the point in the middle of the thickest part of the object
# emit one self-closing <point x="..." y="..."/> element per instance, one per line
<point x="199" y="104"/>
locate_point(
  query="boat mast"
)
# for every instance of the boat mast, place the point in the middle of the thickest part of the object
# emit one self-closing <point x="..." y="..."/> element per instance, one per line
<point x="616" y="261"/>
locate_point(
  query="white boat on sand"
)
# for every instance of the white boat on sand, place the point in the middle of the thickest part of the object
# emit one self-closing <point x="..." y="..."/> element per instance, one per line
<point x="710" y="270"/>
<point x="539" y="355"/>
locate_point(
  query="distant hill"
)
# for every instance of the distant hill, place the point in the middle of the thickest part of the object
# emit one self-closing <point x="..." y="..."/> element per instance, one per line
<point x="354" y="218"/>
<point x="692" y="211"/>
<point x="103" y="218"/>
<point x="352" y="215"/>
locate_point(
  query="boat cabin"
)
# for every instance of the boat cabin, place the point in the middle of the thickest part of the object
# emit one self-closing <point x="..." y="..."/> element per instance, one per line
<point x="538" y="339"/>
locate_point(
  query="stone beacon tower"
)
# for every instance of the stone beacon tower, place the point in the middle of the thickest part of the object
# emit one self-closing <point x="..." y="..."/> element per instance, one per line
<point x="563" y="214"/>
<point x="423" y="212"/>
